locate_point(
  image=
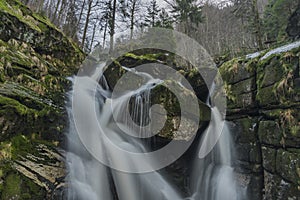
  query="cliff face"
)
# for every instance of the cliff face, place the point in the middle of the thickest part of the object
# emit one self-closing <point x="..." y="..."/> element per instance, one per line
<point x="35" y="59"/>
<point x="263" y="93"/>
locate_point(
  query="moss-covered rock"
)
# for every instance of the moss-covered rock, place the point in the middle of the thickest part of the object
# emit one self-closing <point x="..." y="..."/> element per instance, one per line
<point x="237" y="70"/>
<point x="123" y="73"/>
<point x="35" y="166"/>
<point x="35" y="59"/>
<point x="269" y="132"/>
<point x="20" y="23"/>
<point x="276" y="77"/>
<point x="266" y="87"/>
<point x="277" y="188"/>
<point x="168" y="100"/>
<point x="245" y="130"/>
<point x="288" y="165"/>
<point x="287" y="126"/>
<point x="269" y="158"/>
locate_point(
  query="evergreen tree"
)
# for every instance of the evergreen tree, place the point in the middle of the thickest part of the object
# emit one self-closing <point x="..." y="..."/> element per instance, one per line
<point x="164" y="21"/>
<point x="152" y="14"/>
<point x="188" y="13"/>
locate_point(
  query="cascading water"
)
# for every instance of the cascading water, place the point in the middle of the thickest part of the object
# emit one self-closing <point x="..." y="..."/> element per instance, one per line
<point x="212" y="176"/>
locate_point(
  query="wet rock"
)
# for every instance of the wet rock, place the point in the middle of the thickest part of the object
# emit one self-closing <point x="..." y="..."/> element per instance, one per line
<point x="269" y="158"/>
<point x="263" y="102"/>
<point x="270" y="133"/>
<point x="236" y="70"/>
<point x="277" y="188"/>
<point x="254" y="187"/>
<point x="35" y="59"/>
<point x="123" y="74"/>
<point x="245" y="130"/>
<point x="266" y="96"/>
<point x="288" y="165"/>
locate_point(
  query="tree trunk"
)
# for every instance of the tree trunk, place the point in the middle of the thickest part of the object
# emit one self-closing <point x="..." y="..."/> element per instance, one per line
<point x="86" y="23"/>
<point x="112" y="28"/>
<point x="257" y="25"/>
<point x="55" y="11"/>
<point x="93" y="36"/>
<point x="40" y="6"/>
<point x="104" y="35"/>
<point x="132" y="19"/>
<point x="62" y="7"/>
<point x="79" y="19"/>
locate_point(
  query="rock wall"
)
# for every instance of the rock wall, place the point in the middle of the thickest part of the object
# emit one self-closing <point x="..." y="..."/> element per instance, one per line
<point x="263" y="92"/>
<point x="35" y="59"/>
<point x="161" y="93"/>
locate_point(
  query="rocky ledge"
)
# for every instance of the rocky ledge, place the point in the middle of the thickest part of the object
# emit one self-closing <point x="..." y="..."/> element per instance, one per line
<point x="263" y="91"/>
<point x="35" y="59"/>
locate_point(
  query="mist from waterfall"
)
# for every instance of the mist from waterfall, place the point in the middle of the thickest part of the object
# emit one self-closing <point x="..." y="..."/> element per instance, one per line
<point x="212" y="177"/>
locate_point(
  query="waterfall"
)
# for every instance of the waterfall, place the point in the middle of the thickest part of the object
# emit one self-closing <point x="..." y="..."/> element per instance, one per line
<point x="213" y="175"/>
<point x="89" y="179"/>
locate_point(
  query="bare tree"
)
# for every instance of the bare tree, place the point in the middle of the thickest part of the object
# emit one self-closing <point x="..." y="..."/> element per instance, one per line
<point x="112" y="23"/>
<point x="134" y="7"/>
<point x="87" y="20"/>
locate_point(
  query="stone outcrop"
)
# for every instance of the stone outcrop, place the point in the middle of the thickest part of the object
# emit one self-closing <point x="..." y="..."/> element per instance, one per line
<point x="263" y="95"/>
<point x="35" y="59"/>
<point x="161" y="93"/>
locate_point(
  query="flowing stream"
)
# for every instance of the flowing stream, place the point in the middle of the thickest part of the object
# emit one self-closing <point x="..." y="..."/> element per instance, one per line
<point x="212" y="177"/>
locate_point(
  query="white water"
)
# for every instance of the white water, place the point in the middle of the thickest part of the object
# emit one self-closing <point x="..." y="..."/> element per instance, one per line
<point x="278" y="50"/>
<point x="282" y="49"/>
<point x="212" y="177"/>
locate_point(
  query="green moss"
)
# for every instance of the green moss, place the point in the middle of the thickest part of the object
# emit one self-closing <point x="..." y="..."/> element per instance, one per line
<point x="251" y="66"/>
<point x="295" y="129"/>
<point x="150" y="57"/>
<point x="267" y="96"/>
<point x="44" y="23"/>
<point x="21" y="146"/>
<point x="33" y="191"/>
<point x="17" y="186"/>
<point x="11" y="107"/>
<point x="271" y="61"/>
<point x="265" y="62"/>
<point x="229" y="94"/>
<point x="6" y="102"/>
<point x="273" y="113"/>
<point x="2" y="43"/>
<point x="230" y="66"/>
<point x="12" y="187"/>
<point x="5" y="152"/>
<point x="15" y="10"/>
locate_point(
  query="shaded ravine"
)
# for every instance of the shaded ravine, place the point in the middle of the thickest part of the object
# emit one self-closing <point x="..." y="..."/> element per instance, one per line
<point x="212" y="177"/>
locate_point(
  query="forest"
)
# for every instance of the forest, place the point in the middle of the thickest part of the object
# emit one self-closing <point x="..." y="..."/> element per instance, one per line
<point x="222" y="27"/>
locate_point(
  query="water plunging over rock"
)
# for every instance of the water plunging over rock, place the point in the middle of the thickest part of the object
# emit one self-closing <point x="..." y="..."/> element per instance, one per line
<point x="211" y="178"/>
